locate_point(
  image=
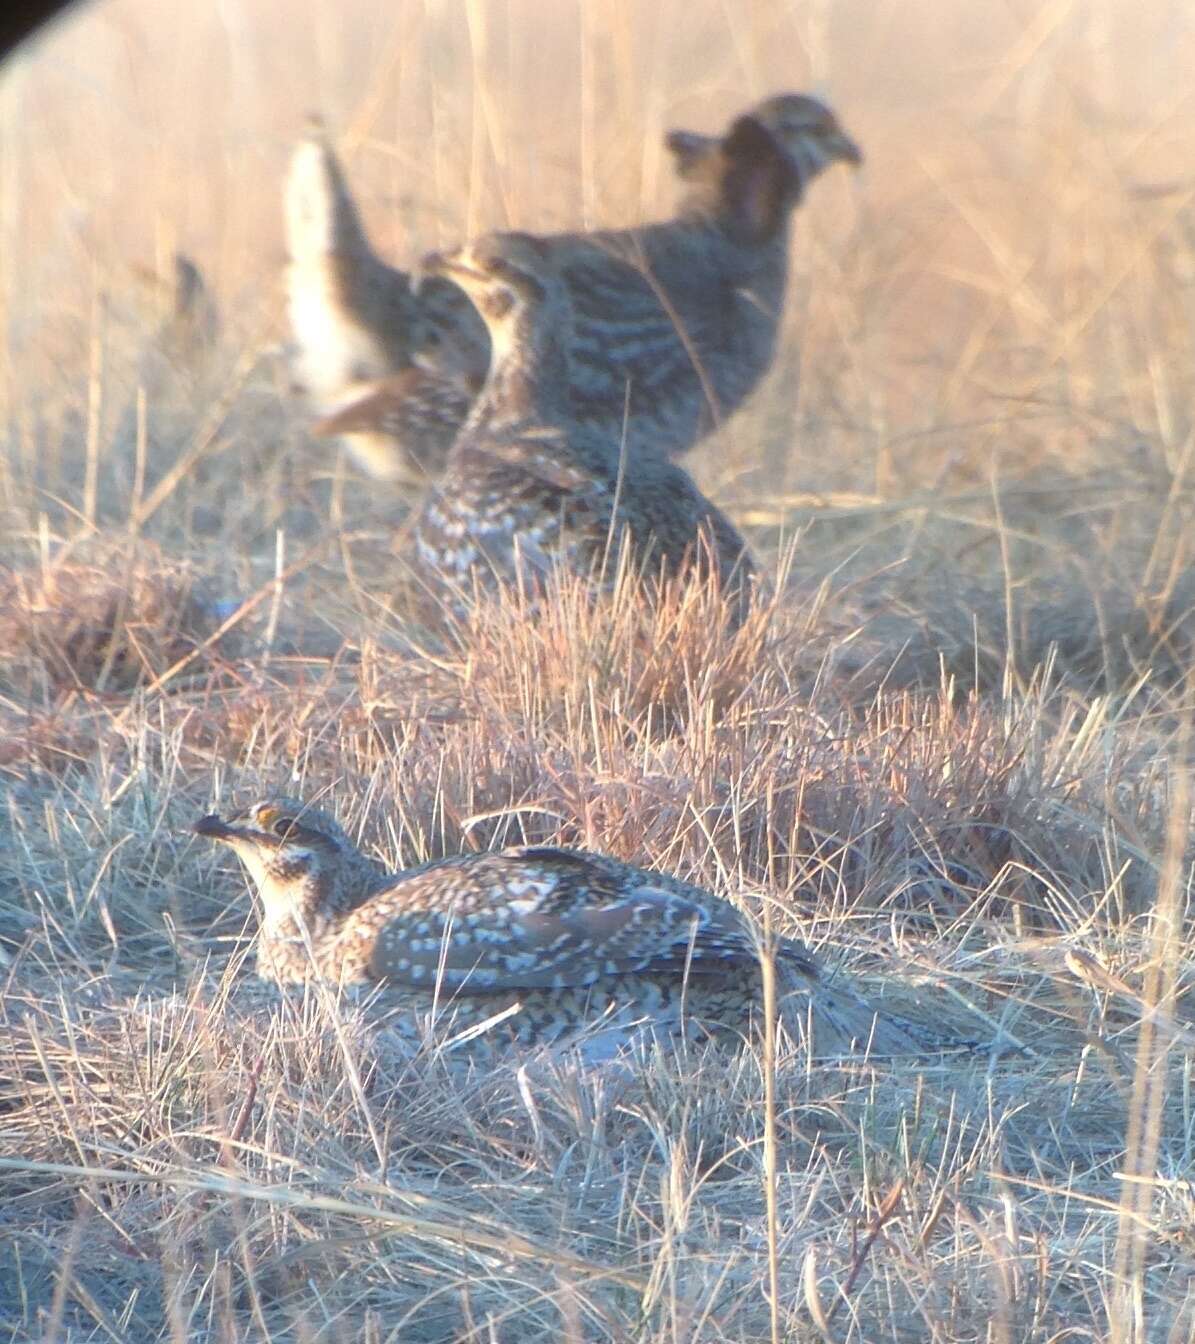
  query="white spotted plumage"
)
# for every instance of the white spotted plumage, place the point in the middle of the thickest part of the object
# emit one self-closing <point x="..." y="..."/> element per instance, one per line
<point x="553" y="934"/>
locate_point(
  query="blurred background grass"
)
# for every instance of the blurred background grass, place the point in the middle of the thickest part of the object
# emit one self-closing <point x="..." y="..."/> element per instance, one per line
<point x="1009" y="279"/>
<point x="984" y="388"/>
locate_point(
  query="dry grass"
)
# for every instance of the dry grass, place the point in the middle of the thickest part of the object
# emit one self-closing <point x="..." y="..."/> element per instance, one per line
<point x="953" y="753"/>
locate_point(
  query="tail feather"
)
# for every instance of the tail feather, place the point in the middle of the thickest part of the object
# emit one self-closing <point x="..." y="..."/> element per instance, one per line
<point x="838" y="1021"/>
<point x="321" y="216"/>
<point x="351" y="314"/>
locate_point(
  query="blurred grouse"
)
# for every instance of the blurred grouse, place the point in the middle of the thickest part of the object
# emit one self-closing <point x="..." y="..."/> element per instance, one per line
<point x="528" y="485"/>
<point x="675" y="322"/>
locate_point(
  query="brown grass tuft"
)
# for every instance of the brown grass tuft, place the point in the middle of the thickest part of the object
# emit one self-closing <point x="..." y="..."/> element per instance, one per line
<point x="105" y="618"/>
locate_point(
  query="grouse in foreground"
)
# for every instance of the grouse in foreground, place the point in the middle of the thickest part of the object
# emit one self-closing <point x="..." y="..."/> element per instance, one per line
<point x="544" y="941"/>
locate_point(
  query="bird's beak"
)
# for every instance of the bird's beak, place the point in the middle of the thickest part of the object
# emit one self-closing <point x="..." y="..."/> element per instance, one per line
<point x="448" y="265"/>
<point x="254" y="827"/>
<point x="212" y="827"/>
<point x="840" y="146"/>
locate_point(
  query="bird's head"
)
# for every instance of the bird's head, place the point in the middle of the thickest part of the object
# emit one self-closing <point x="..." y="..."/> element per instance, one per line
<point x="512" y="281"/>
<point x="759" y="170"/>
<point x="299" y="858"/>
<point x="504" y="274"/>
<point x="805" y="132"/>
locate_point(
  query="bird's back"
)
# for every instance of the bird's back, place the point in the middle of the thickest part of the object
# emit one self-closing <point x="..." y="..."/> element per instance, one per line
<point x="509" y="511"/>
<point x="549" y="918"/>
<point x="673" y="326"/>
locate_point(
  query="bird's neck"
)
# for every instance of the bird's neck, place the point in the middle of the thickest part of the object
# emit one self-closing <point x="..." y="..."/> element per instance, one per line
<point x="316" y="901"/>
<point x="297" y="909"/>
<point x="528" y="378"/>
<point x="746" y="215"/>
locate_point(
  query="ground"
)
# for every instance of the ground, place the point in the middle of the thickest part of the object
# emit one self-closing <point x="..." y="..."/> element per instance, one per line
<point x="952" y="752"/>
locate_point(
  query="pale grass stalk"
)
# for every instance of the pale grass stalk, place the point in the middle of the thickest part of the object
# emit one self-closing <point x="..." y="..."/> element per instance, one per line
<point x="771" y="1007"/>
<point x="142" y="451"/>
<point x="205" y="437"/>
<point x="277" y="587"/>
<point x="95" y="407"/>
<point x="1129" y="1320"/>
<point x="65" y="1276"/>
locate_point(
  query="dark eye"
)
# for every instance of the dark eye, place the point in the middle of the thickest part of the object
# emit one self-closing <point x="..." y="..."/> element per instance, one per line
<point x="284" y="827"/>
<point x="500" y="303"/>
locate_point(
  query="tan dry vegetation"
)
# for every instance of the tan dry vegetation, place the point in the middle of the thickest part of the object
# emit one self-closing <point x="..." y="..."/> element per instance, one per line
<point x="951" y="754"/>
